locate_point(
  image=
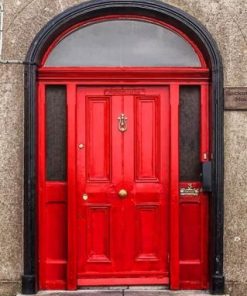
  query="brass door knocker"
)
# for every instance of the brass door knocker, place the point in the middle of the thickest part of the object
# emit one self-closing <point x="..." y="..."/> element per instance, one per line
<point x="122" y="123"/>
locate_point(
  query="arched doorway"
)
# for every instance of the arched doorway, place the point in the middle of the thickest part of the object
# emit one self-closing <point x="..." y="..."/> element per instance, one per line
<point x="123" y="150"/>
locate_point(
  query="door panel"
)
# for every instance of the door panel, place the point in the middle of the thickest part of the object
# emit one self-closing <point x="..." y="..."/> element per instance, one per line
<point x="123" y="237"/>
<point x="147" y="206"/>
<point x="97" y="236"/>
<point x="98" y="143"/>
<point x="147" y="139"/>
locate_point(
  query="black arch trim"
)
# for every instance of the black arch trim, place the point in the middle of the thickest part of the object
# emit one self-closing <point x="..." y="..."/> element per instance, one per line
<point x="207" y="45"/>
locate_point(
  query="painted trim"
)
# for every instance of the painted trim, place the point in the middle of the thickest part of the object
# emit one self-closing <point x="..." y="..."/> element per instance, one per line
<point x="147" y="8"/>
<point x="174" y="185"/>
<point x="161" y="74"/>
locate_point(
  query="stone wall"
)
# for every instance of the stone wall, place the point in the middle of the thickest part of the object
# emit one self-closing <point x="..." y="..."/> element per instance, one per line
<point x="226" y="20"/>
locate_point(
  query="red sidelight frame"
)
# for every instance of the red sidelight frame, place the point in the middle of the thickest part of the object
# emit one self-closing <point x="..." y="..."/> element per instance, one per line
<point x="119" y="76"/>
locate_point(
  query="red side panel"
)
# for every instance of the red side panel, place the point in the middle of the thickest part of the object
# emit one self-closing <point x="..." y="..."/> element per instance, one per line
<point x="56" y="235"/>
<point x="52" y="217"/>
<point x="193" y="225"/>
<point x="193" y="245"/>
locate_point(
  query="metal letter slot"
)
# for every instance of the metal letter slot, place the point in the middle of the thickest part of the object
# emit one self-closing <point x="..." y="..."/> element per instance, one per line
<point x="122" y="125"/>
<point x="189" y="190"/>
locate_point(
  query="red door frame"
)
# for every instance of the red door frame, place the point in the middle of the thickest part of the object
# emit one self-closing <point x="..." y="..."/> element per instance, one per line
<point x="71" y="77"/>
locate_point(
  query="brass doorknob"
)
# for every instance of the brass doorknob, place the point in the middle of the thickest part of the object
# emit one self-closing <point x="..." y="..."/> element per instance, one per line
<point x="122" y="193"/>
<point x="84" y="196"/>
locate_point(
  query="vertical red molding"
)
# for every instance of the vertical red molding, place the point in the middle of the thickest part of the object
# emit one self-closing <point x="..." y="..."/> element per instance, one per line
<point x="174" y="188"/>
<point x="71" y="196"/>
<point x="204" y="241"/>
<point x="41" y="185"/>
<point x="205" y="151"/>
<point x="204" y="123"/>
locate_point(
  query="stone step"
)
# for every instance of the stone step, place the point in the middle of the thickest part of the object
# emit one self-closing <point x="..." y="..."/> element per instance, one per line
<point x="122" y="291"/>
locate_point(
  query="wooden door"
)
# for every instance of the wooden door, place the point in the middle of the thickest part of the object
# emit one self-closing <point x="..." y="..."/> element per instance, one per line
<point x="122" y="185"/>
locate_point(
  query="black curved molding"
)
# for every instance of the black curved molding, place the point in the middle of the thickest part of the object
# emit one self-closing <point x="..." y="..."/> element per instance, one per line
<point x="207" y="45"/>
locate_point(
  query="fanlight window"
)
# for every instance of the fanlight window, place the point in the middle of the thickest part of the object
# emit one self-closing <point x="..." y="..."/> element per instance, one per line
<point x="123" y="43"/>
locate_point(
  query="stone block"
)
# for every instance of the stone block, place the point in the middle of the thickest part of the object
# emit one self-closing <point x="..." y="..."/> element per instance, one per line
<point x="237" y="288"/>
<point x="9" y="288"/>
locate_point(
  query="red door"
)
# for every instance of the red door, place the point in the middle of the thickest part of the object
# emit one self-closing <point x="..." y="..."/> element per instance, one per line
<point x="123" y="185"/>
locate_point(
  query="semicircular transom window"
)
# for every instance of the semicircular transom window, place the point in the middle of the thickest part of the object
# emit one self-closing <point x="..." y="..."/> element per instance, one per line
<point x="123" y="43"/>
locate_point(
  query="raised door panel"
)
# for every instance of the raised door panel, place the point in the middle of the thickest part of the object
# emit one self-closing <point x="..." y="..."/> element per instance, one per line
<point x="148" y="232"/>
<point x="147" y="138"/>
<point x="146" y="207"/>
<point x="98" y="233"/>
<point x="98" y="238"/>
<point x="52" y="186"/>
<point x="98" y="140"/>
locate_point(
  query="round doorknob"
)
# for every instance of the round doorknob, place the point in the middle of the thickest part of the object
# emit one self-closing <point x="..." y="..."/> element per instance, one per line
<point x="122" y="193"/>
<point x="84" y="196"/>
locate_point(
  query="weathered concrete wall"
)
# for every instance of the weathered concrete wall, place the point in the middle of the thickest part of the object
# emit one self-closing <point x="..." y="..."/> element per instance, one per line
<point x="11" y="172"/>
<point x="236" y="202"/>
<point x="226" y="20"/>
<point x="1" y="25"/>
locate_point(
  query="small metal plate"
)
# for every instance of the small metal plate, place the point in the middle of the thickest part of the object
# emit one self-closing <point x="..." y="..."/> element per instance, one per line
<point x="236" y="98"/>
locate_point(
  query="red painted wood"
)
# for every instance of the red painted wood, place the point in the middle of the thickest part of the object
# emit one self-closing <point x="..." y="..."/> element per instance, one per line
<point x="52" y="209"/>
<point x="148" y="167"/>
<point x="204" y="241"/>
<point x="205" y="153"/>
<point x="61" y="255"/>
<point x="194" y="239"/>
<point x="72" y="192"/>
<point x="123" y="238"/>
<point x="193" y="245"/>
<point x="97" y="75"/>
<point x="41" y="185"/>
<point x="124" y="280"/>
<point x="174" y="194"/>
<point x="97" y="215"/>
<point x="65" y="243"/>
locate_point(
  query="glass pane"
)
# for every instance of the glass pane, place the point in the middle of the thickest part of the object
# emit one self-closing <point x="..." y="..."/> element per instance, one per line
<point x="56" y="121"/>
<point x="123" y="43"/>
<point x="190" y="166"/>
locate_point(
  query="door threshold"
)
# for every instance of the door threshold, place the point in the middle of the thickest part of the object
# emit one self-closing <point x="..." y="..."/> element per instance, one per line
<point x="127" y="287"/>
<point x="140" y="281"/>
<point x="122" y="291"/>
